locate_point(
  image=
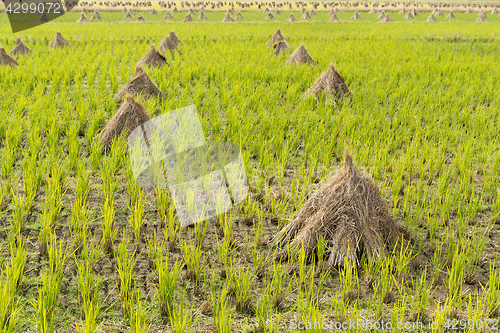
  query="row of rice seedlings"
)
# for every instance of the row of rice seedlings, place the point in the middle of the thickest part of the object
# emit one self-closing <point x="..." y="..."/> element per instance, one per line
<point x="79" y="214"/>
<point x="10" y="282"/>
<point x="50" y="277"/>
<point x="125" y="263"/>
<point x="167" y="278"/>
<point x="88" y="285"/>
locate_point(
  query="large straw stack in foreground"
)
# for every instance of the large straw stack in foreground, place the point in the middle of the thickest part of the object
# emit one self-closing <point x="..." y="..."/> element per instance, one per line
<point x="129" y="116"/>
<point x="350" y="215"/>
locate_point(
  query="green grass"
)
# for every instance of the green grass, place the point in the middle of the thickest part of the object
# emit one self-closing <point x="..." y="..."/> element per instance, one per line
<point x="422" y="122"/>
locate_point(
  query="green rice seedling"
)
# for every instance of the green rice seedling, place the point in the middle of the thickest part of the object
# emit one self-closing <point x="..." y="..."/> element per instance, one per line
<point x="95" y="150"/>
<point x="108" y="230"/>
<point x="10" y="306"/>
<point x="223" y="252"/>
<point x="437" y="264"/>
<point x="276" y="286"/>
<point x="109" y="184"/>
<point x="18" y="259"/>
<point x="320" y="252"/>
<point x="132" y="187"/>
<point x="475" y="313"/>
<point x="125" y="266"/>
<point x="398" y="315"/>
<point x="88" y="285"/>
<point x="222" y="316"/>
<point x="162" y="203"/>
<point x="455" y="280"/>
<point x="136" y="216"/>
<point x="260" y="262"/>
<point x="51" y="211"/>
<point x="48" y="291"/>
<point x="310" y="314"/>
<point x="402" y="262"/>
<point x="45" y="233"/>
<point x="192" y="255"/>
<point x="73" y="147"/>
<point x="492" y="293"/>
<point x="181" y="317"/>
<point x="316" y="285"/>
<point x="82" y="183"/>
<point x="372" y="269"/>
<point x="200" y="231"/>
<point x="339" y="307"/>
<point x="118" y="151"/>
<point x="7" y="162"/>
<point x="302" y="269"/>
<point x="263" y="310"/>
<point x="440" y="317"/>
<point x="227" y="225"/>
<point x="243" y="293"/>
<point x="259" y="228"/>
<point x="165" y="288"/>
<point x="79" y="224"/>
<point x="140" y="320"/>
<point x="382" y="288"/>
<point x="349" y="281"/>
<point x="171" y="231"/>
<point x="419" y="298"/>
<point x="155" y="248"/>
<point x="32" y="179"/>
<point x="19" y="212"/>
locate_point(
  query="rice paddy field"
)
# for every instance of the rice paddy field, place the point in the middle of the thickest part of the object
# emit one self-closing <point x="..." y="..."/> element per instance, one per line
<point x="85" y="249"/>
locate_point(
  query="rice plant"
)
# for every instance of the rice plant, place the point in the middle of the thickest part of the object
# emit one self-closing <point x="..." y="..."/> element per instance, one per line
<point x="125" y="262"/>
<point x="165" y="288"/>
